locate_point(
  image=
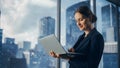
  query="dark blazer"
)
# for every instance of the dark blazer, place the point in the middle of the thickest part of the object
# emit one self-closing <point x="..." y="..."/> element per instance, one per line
<point x="91" y="48"/>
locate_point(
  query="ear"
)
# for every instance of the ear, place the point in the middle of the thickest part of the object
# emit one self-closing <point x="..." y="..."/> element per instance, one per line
<point x="88" y="20"/>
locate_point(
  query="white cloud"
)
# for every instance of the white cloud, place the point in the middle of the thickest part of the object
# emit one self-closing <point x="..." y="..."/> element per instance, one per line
<point x="13" y="11"/>
<point x="44" y="3"/>
<point x="19" y="18"/>
<point x="27" y="36"/>
<point x="8" y="29"/>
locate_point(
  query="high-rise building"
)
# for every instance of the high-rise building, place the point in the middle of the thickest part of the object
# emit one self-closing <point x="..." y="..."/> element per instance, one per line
<point x="27" y="57"/>
<point x="109" y="21"/>
<point x="10" y="40"/>
<point x="72" y="31"/>
<point x="17" y="63"/>
<point x="10" y="46"/>
<point x="9" y="50"/>
<point x="46" y="26"/>
<point x="26" y="45"/>
<point x="38" y="55"/>
<point x="110" y="34"/>
<point x="110" y="56"/>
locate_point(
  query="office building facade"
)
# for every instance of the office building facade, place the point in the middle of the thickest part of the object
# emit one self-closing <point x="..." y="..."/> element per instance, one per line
<point x="26" y="45"/>
<point x="9" y="50"/>
<point x="110" y="56"/>
<point x="46" y="26"/>
<point x="109" y="22"/>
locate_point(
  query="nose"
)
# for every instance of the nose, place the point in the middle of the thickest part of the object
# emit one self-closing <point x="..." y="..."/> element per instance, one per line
<point x="78" y="23"/>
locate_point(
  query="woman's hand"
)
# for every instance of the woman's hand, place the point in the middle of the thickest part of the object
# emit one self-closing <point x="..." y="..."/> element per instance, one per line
<point x="71" y="50"/>
<point x="53" y="54"/>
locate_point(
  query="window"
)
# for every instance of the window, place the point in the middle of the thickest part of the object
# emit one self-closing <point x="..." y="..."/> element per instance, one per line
<point x="23" y="23"/>
<point x="69" y="29"/>
<point x="107" y="25"/>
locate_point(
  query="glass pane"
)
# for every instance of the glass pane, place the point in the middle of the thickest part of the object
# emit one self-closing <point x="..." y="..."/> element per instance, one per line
<point x="24" y="22"/>
<point x="107" y="25"/>
<point x="69" y="29"/>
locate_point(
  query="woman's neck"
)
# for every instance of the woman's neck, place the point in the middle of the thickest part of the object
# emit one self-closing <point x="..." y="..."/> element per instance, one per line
<point x="87" y="31"/>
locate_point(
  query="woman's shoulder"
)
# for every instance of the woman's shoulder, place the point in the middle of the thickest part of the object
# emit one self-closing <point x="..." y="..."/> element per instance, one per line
<point x="97" y="34"/>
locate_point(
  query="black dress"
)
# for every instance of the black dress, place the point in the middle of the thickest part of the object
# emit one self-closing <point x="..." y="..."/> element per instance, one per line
<point x="91" y="48"/>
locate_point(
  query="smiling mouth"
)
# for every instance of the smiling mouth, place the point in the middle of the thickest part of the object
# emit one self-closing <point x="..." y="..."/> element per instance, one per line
<point x="80" y="26"/>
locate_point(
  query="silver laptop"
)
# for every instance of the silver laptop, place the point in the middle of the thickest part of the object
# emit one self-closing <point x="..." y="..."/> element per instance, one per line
<point x="50" y="42"/>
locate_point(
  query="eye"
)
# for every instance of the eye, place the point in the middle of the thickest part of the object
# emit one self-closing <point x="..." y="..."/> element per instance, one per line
<point x="81" y="19"/>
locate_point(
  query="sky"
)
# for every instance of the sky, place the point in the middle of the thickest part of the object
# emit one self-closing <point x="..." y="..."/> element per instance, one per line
<point x="20" y="18"/>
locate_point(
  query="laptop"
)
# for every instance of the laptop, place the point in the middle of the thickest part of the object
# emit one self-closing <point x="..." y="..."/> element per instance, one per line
<point x="50" y="42"/>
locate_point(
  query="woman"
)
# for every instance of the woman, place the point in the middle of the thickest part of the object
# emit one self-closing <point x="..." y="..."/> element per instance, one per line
<point x="90" y="43"/>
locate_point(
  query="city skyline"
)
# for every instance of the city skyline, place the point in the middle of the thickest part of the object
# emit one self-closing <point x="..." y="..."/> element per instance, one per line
<point x="19" y="19"/>
<point x="24" y="25"/>
<point x="21" y="14"/>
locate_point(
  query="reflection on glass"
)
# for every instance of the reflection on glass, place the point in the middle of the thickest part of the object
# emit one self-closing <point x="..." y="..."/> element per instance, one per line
<point x="22" y="24"/>
<point x="70" y="32"/>
<point x="107" y="25"/>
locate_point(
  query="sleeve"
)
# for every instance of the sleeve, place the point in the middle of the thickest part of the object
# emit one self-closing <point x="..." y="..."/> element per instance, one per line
<point x="96" y="50"/>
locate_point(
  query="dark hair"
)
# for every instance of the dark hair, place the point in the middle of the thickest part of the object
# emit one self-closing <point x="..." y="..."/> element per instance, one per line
<point x="86" y="12"/>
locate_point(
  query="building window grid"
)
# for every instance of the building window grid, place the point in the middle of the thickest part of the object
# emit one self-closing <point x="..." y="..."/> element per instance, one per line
<point x="109" y="48"/>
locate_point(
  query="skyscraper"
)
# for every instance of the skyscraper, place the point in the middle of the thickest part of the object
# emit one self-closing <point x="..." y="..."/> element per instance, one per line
<point x="46" y="26"/>
<point x="26" y="45"/>
<point x="109" y="22"/>
<point x="72" y="31"/>
<point x="110" y="56"/>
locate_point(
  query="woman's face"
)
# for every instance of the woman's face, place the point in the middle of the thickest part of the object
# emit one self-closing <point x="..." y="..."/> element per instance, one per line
<point x="82" y="23"/>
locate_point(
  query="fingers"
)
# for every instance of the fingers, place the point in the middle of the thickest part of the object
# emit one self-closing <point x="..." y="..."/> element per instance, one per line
<point x="71" y="50"/>
<point x="53" y="54"/>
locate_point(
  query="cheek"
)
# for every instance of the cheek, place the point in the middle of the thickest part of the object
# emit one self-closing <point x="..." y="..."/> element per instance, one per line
<point x="87" y="25"/>
<point x="83" y="23"/>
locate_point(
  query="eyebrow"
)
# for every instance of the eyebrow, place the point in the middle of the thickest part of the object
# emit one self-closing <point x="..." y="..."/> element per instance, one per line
<point x="80" y="18"/>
